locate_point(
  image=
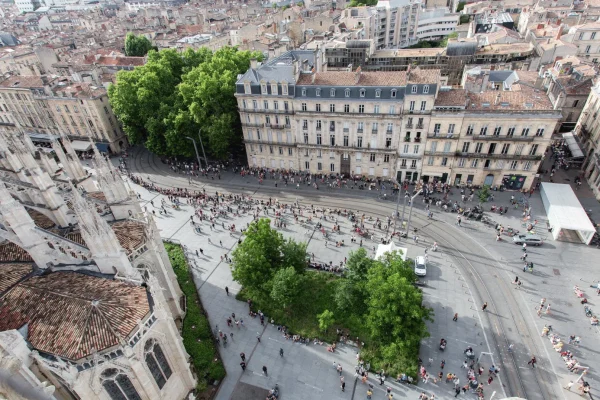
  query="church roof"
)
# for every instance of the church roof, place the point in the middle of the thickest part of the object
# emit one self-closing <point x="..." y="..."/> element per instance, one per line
<point x="11" y="274"/>
<point x="131" y="234"/>
<point x="40" y="219"/>
<point x="10" y="252"/>
<point x="71" y="315"/>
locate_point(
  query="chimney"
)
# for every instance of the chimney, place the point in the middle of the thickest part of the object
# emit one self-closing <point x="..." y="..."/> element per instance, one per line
<point x="559" y="31"/>
<point x="486" y="79"/>
<point x="497" y="99"/>
<point x="253" y="63"/>
<point x="357" y="75"/>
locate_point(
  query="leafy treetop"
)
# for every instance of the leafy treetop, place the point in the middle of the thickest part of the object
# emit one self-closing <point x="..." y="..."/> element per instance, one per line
<point x="137" y="46"/>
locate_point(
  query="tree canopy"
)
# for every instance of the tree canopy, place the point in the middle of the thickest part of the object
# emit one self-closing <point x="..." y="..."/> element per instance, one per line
<point x="360" y="3"/>
<point x="137" y="46"/>
<point x="175" y="94"/>
<point x="267" y="265"/>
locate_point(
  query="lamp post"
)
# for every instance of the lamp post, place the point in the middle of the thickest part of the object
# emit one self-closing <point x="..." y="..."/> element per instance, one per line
<point x="412" y="201"/>
<point x="202" y="147"/>
<point x="196" y="149"/>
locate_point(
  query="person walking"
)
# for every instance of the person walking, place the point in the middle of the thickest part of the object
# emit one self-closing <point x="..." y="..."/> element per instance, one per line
<point x="343" y="386"/>
<point x="265" y="370"/>
<point x="243" y="356"/>
<point x="281" y="352"/>
<point x="455" y="318"/>
<point x="547" y="309"/>
<point x="532" y="362"/>
<point x="457" y="391"/>
<point x="243" y="365"/>
<point x="339" y="369"/>
<point x="227" y="290"/>
<point x="369" y="394"/>
<point x="484" y="306"/>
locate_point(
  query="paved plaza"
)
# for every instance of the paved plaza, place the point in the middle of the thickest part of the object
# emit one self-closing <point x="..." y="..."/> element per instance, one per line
<point x="470" y="268"/>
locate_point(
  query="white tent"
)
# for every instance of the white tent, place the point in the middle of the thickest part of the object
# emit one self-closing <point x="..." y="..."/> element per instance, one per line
<point x="566" y="216"/>
<point x="388" y="248"/>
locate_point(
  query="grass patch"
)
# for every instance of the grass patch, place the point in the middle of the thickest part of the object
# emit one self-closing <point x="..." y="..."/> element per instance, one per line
<point x="197" y="335"/>
<point x="317" y="296"/>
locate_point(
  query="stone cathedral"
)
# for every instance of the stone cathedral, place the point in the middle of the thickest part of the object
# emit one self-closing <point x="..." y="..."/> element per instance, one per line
<point x="89" y="303"/>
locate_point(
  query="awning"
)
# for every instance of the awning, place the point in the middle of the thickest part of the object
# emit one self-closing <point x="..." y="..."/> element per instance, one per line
<point x="41" y="137"/>
<point x="102" y="147"/>
<point x="573" y="145"/>
<point x="81" y="145"/>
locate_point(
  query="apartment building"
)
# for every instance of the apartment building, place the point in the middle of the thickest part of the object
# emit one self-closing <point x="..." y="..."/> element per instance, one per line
<point x="44" y="107"/>
<point x="495" y="132"/>
<point x="588" y="133"/>
<point x="585" y="37"/>
<point x="296" y="116"/>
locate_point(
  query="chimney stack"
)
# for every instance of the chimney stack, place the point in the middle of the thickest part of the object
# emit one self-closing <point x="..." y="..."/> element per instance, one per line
<point x="357" y="75"/>
<point x="253" y="63"/>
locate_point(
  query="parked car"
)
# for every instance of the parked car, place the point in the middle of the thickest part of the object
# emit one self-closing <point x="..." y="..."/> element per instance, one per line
<point x="530" y="239"/>
<point x="420" y="266"/>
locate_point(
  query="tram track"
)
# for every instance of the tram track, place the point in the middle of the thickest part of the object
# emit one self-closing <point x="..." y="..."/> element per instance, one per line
<point x="460" y="252"/>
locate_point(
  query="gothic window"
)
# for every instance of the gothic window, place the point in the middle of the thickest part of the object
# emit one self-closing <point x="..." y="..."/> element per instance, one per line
<point x="157" y="363"/>
<point x="118" y="386"/>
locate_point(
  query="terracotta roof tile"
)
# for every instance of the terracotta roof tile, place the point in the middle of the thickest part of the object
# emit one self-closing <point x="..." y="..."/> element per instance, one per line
<point x="131" y="234"/>
<point x="451" y="98"/>
<point x="341" y="78"/>
<point x="10" y="252"/>
<point x="40" y="219"/>
<point x="11" y="274"/>
<point x="71" y="315"/>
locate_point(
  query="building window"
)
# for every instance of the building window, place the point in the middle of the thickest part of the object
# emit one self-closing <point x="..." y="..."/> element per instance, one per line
<point x="118" y="386"/>
<point x="393" y="94"/>
<point x="390" y="127"/>
<point x="347" y="92"/>
<point x="319" y="138"/>
<point x="430" y="161"/>
<point x="280" y="151"/>
<point x="374" y="127"/>
<point x="533" y="150"/>
<point x="444" y="161"/>
<point x="247" y="88"/>
<point x="413" y="89"/>
<point x="360" y="127"/>
<point x="497" y="131"/>
<point x="358" y="156"/>
<point x="386" y="158"/>
<point x="362" y="92"/>
<point x="505" y="148"/>
<point x="361" y="108"/>
<point x="305" y="137"/>
<point x="470" y="130"/>
<point x="318" y="124"/>
<point x="388" y="142"/>
<point x="416" y="149"/>
<point x="284" y="89"/>
<point x="332" y="108"/>
<point x="276" y="105"/>
<point x="411" y="106"/>
<point x="413" y="164"/>
<point x="392" y="109"/>
<point x="332" y="140"/>
<point x="332" y="92"/>
<point x="483" y="131"/>
<point x="274" y="89"/>
<point x="372" y="157"/>
<point x="157" y="363"/>
<point x="525" y="132"/>
<point x="318" y="92"/>
<point x="539" y="132"/>
<point x="290" y="151"/>
<point x="359" y="141"/>
<point x="265" y="104"/>
<point x="451" y="128"/>
<point x="423" y="105"/>
<point x="319" y="166"/>
<point x="478" y="147"/>
<point x="593" y="36"/>
<point x="474" y="163"/>
<point x="317" y="107"/>
<point x="588" y="48"/>
<point x="511" y="131"/>
<point x="347" y="108"/>
<point x="461" y="162"/>
<point x="304" y="107"/>
<point x="465" y="148"/>
<point x="514" y="164"/>
<point x="376" y="109"/>
<point x="303" y="92"/>
<point x="263" y="88"/>
<point x="527" y="166"/>
<point x="346" y="140"/>
<point x="332" y="167"/>
<point x="426" y="89"/>
<point x="307" y="165"/>
<point x="378" y="93"/>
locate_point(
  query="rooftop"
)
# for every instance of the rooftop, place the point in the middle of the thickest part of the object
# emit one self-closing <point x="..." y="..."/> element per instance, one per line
<point x="23" y="82"/>
<point x="342" y="78"/>
<point x="72" y="315"/>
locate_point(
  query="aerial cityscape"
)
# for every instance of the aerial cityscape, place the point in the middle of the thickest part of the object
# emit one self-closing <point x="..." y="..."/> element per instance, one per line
<point x="244" y="200"/>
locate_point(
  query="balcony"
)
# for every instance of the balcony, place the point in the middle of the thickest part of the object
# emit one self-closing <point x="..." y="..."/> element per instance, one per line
<point x="409" y="126"/>
<point x="263" y="111"/>
<point x="359" y="130"/>
<point x="505" y="138"/>
<point x="389" y="132"/>
<point x="419" y="126"/>
<point x="439" y="153"/>
<point x="253" y="124"/>
<point x="374" y="131"/>
<point x="500" y="156"/>
<point x="417" y="140"/>
<point x="346" y="130"/>
<point x="442" y="135"/>
<point x="278" y="126"/>
<point x="305" y="127"/>
<point x="407" y="139"/>
<point x="370" y="149"/>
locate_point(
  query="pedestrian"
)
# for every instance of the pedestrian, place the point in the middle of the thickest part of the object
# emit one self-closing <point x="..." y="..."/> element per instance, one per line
<point x="227" y="290"/>
<point x="532" y="362"/>
<point x="243" y="355"/>
<point x="243" y="365"/>
<point x="457" y="391"/>
<point x="484" y="306"/>
<point x="547" y="309"/>
<point x="221" y="243"/>
<point x="201" y="251"/>
<point x="455" y="318"/>
<point x="281" y="352"/>
<point x="369" y="394"/>
<point x="510" y="347"/>
<point x="339" y="369"/>
<point x="490" y="380"/>
<point x="569" y="386"/>
<point x="442" y="365"/>
<point x="231" y="335"/>
<point x="265" y="370"/>
<point x="464" y="364"/>
<point x="343" y="385"/>
<point x="258" y="338"/>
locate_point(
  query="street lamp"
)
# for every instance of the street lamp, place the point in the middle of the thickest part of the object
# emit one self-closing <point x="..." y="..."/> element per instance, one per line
<point x="196" y="149"/>
<point x="412" y="202"/>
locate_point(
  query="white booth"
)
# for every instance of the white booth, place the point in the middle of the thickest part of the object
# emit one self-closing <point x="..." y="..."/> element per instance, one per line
<point x="388" y="248"/>
<point x="566" y="217"/>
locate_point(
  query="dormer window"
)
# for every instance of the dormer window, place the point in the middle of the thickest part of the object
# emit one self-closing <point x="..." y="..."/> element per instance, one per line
<point x="303" y="92"/>
<point x="318" y="92"/>
<point x="362" y="92"/>
<point x="425" y="89"/>
<point x="274" y="90"/>
<point x="413" y="89"/>
<point x="393" y="93"/>
<point x="347" y="92"/>
<point x="284" y="88"/>
<point x="332" y="92"/>
<point x="378" y="93"/>
<point x="247" y="88"/>
<point x="263" y="88"/>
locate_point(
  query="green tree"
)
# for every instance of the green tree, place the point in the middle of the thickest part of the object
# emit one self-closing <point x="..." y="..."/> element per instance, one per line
<point x="351" y="294"/>
<point x="261" y="255"/>
<point x="360" y="3"/>
<point x="395" y="311"/>
<point x="461" y="6"/>
<point x="326" y="319"/>
<point x="483" y="194"/>
<point x="137" y="46"/>
<point x="465" y="19"/>
<point x="287" y="284"/>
